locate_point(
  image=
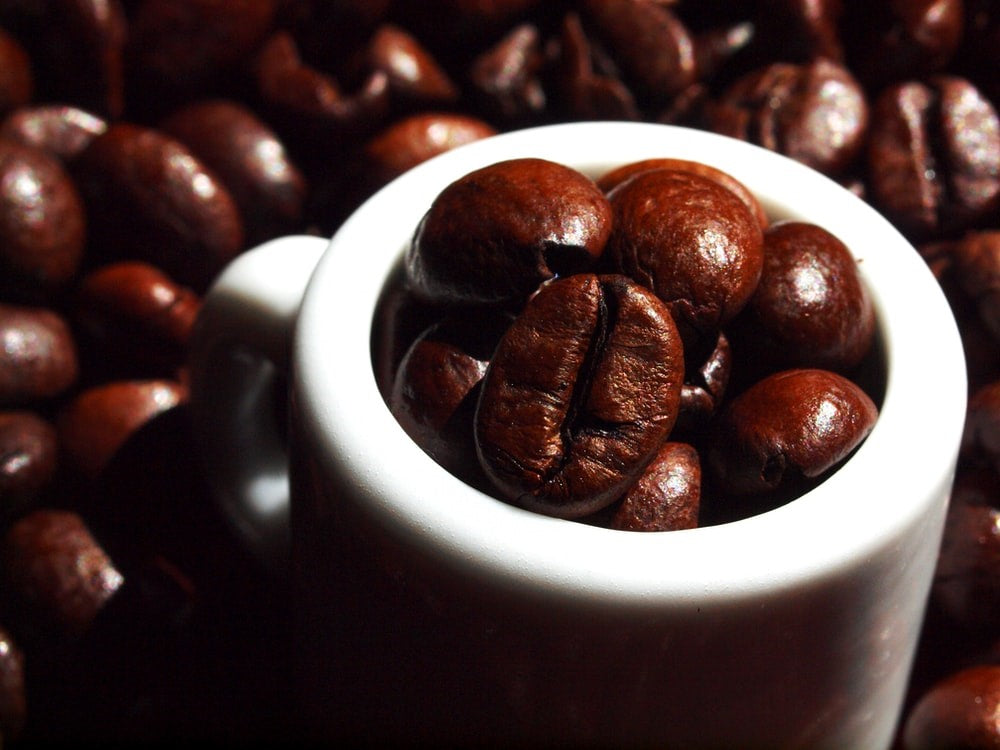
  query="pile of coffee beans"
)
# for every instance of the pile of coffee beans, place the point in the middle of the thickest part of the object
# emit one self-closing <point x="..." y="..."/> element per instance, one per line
<point x="591" y="348"/>
<point x="145" y="143"/>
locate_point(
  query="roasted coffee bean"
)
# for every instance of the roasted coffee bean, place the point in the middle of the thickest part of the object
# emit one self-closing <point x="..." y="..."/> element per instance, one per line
<point x="56" y="571"/>
<point x="97" y="422"/>
<point x="17" y="81"/>
<point x="249" y="159"/>
<point x="28" y="459"/>
<point x="651" y="44"/>
<point x="803" y="29"/>
<point x="494" y="235"/>
<point x="705" y="382"/>
<point x="811" y="307"/>
<point x="60" y="129"/>
<point x="413" y="140"/>
<point x="667" y="495"/>
<point x="959" y="711"/>
<point x="981" y="437"/>
<point x="610" y="180"/>
<point x="13" y="690"/>
<point x="976" y="265"/>
<point x="934" y="156"/>
<point x="581" y="392"/>
<point x="133" y="309"/>
<point x="150" y="198"/>
<point x="794" y="423"/>
<point x="690" y="240"/>
<point x="815" y="112"/>
<point x="42" y="223"/>
<point x="38" y="354"/>
<point x="967" y="580"/>
<point x="414" y="76"/>
<point x="505" y="78"/>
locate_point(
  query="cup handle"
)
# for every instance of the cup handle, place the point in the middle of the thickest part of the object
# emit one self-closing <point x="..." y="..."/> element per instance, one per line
<point x="239" y="356"/>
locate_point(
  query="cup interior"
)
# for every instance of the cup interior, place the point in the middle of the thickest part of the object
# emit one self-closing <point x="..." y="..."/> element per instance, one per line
<point x="903" y="468"/>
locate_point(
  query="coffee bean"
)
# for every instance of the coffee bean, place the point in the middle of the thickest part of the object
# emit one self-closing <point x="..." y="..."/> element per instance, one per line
<point x="13" y="690"/>
<point x="62" y="130"/>
<point x="17" y="82"/>
<point x="960" y="711"/>
<point x="28" y="460"/>
<point x="38" y="355"/>
<point x="580" y="393"/>
<point x="667" y="495"/>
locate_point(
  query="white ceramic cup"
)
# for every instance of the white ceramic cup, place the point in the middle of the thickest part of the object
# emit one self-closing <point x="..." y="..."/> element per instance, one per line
<point x="427" y="611"/>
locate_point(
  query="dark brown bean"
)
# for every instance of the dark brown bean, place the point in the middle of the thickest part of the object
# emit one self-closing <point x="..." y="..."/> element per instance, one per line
<point x="60" y="129"/>
<point x="667" y="495"/>
<point x="581" y="392"/>
<point x="505" y="78"/>
<point x="495" y="234"/>
<point x="99" y="420"/>
<point x="803" y="29"/>
<point x="150" y="198"/>
<point x="28" y="459"/>
<point x="705" y="382"/>
<point x="53" y="564"/>
<point x="981" y="437"/>
<point x="694" y="243"/>
<point x="13" y="689"/>
<point x="414" y="75"/>
<point x="38" y="355"/>
<point x="793" y="423"/>
<point x="17" y="81"/>
<point x="976" y="264"/>
<point x="934" y="156"/>
<point x="249" y="159"/>
<point x="959" y="711"/>
<point x="815" y="113"/>
<point x="42" y="223"/>
<point x="811" y="307"/>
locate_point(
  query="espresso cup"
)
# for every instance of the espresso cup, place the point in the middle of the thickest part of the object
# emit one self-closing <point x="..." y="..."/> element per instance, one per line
<point x="428" y="612"/>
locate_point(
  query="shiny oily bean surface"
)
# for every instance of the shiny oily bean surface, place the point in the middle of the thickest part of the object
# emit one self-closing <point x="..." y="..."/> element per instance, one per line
<point x="960" y="711"/>
<point x="811" y="307"/>
<point x="794" y="423"/>
<point x="42" y="221"/>
<point x="38" y="355"/>
<point x="691" y="241"/>
<point x="60" y="129"/>
<point x="495" y="234"/>
<point x="149" y="197"/>
<point x="28" y="458"/>
<point x="581" y="392"/>
<point x="667" y="495"/>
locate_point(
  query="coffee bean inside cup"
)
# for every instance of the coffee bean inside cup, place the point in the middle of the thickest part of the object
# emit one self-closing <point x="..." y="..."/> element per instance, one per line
<point x="627" y="370"/>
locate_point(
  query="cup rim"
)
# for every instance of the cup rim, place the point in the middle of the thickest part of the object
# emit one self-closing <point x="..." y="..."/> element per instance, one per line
<point x="902" y="472"/>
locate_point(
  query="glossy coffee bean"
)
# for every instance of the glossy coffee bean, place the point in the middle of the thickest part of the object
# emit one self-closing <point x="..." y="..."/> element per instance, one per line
<point x="967" y="580"/>
<point x="57" y="571"/>
<point x="811" y="307"/>
<point x="610" y="180"/>
<point x="582" y="390"/>
<point x="795" y="423"/>
<point x="28" y="459"/>
<point x="13" y="688"/>
<point x="42" y="222"/>
<point x="17" y="82"/>
<point x="150" y="198"/>
<point x="960" y="711"/>
<point x="60" y="129"/>
<point x="976" y="266"/>
<point x="506" y="77"/>
<point x="413" y="74"/>
<point x="492" y="236"/>
<point x="705" y="383"/>
<point x="95" y="425"/>
<point x="133" y="308"/>
<point x="667" y="495"/>
<point x="651" y="44"/>
<point x="815" y="112"/>
<point x="934" y="156"/>
<point x="38" y="354"/>
<point x="694" y="243"/>
<point x="249" y="159"/>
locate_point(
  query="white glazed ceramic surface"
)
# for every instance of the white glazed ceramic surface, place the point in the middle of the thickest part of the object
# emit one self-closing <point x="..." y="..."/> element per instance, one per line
<point x="794" y="628"/>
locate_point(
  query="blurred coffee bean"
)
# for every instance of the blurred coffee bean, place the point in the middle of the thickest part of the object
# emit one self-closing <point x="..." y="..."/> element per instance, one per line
<point x="976" y="259"/>
<point x="60" y="129"/>
<point x="148" y="197"/>
<point x="17" y="82"/>
<point x="960" y="711"/>
<point x="667" y="495"/>
<point x="414" y="76"/>
<point x="55" y="572"/>
<point x="505" y="77"/>
<point x="249" y="159"/>
<point x="42" y="223"/>
<point x="97" y="422"/>
<point x="28" y="460"/>
<point x="795" y="423"/>
<point x="131" y="310"/>
<point x="13" y="693"/>
<point x="981" y="437"/>
<point x="934" y="156"/>
<point x="814" y="112"/>
<point x="38" y="355"/>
